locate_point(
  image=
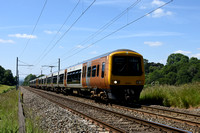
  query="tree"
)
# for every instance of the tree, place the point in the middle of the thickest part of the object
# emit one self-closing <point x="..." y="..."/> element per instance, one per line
<point x="171" y="78"/>
<point x="177" y="58"/>
<point x="170" y="68"/>
<point x="41" y="75"/>
<point x="8" y="78"/>
<point x="183" y="75"/>
<point x="178" y="70"/>
<point x="154" y="76"/>
<point x="29" y="78"/>
<point x="2" y="70"/>
<point x="196" y="77"/>
<point x="194" y="60"/>
<point x="146" y="66"/>
<point x="151" y="66"/>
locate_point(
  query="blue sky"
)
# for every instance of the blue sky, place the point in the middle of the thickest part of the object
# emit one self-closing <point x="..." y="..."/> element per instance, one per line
<point x="172" y="29"/>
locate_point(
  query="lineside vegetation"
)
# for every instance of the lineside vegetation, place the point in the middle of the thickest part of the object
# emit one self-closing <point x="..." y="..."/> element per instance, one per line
<point x="32" y="122"/>
<point x="179" y="69"/>
<point x="5" y="88"/>
<point x="8" y="110"/>
<point x="183" y="96"/>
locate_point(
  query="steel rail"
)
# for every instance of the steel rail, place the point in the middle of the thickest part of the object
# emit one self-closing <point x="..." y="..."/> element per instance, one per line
<point x="161" y="115"/>
<point x="173" y="111"/>
<point x="95" y="121"/>
<point x="131" y="118"/>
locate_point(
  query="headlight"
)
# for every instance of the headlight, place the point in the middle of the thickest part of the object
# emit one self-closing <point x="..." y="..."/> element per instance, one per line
<point x="116" y="81"/>
<point x="138" y="82"/>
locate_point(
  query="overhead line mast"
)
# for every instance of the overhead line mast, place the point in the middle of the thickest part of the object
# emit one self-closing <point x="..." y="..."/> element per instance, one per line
<point x="17" y="70"/>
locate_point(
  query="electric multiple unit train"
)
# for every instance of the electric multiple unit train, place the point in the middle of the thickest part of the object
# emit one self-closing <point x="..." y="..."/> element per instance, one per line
<point x="117" y="75"/>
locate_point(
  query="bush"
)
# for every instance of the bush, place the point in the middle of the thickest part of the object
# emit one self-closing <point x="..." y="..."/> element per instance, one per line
<point x="184" y="96"/>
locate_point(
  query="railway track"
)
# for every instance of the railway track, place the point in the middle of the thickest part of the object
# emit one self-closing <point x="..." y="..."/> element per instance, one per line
<point x="110" y="120"/>
<point x="187" y="118"/>
<point x="186" y="121"/>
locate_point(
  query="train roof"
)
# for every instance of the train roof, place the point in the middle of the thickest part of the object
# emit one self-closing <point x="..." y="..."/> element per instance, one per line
<point x="103" y="55"/>
<point x="106" y="54"/>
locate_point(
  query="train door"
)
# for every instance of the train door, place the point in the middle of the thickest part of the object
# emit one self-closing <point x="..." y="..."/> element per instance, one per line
<point x="84" y="70"/>
<point x="102" y="73"/>
<point x="65" y="78"/>
<point x="88" y="73"/>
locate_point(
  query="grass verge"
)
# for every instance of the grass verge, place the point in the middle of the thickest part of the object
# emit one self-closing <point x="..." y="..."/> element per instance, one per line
<point x="5" y="88"/>
<point x="32" y="122"/>
<point x="183" y="96"/>
<point x="9" y="111"/>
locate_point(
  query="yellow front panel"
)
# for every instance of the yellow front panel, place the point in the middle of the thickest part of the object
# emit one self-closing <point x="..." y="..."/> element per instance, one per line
<point x="125" y="80"/>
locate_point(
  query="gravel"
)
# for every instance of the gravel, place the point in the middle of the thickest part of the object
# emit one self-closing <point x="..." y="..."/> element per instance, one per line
<point x="57" y="119"/>
<point x="183" y="126"/>
<point x="53" y="118"/>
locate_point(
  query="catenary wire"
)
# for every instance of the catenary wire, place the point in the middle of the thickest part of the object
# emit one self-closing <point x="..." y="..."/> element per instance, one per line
<point x="34" y="27"/>
<point x="118" y="30"/>
<point x="66" y="20"/>
<point x="103" y="27"/>
<point x="67" y="30"/>
<point x="23" y="62"/>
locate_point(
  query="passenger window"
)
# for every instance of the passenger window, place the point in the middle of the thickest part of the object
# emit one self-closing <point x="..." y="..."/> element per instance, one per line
<point x="103" y="70"/>
<point x="94" y="71"/>
<point x="61" y="77"/>
<point x="89" y="72"/>
<point x="98" y="71"/>
<point x="74" y="77"/>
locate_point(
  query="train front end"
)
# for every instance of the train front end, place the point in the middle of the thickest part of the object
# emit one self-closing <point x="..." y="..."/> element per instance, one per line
<point x="126" y="76"/>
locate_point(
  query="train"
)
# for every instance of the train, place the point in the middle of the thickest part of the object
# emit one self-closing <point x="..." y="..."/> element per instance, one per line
<point x="114" y="76"/>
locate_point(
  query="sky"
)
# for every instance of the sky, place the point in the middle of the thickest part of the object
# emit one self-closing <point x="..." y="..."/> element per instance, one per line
<point x="39" y="32"/>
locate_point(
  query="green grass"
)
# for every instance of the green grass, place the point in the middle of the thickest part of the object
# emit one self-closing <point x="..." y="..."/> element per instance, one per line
<point x="183" y="96"/>
<point x="32" y="122"/>
<point x="8" y="111"/>
<point x="5" y="88"/>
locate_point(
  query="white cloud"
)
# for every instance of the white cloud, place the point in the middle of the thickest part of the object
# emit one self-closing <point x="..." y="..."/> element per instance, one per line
<point x="198" y="48"/>
<point x="196" y="55"/>
<point x="6" y="41"/>
<point x="182" y="52"/>
<point x="22" y="36"/>
<point x="160" y="13"/>
<point x="153" y="44"/>
<point x="79" y="46"/>
<point x="50" y="32"/>
<point x="157" y="2"/>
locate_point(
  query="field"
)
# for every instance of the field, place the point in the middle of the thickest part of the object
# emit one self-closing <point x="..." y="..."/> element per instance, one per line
<point x="5" y="88"/>
<point x="8" y="110"/>
<point x="183" y="96"/>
